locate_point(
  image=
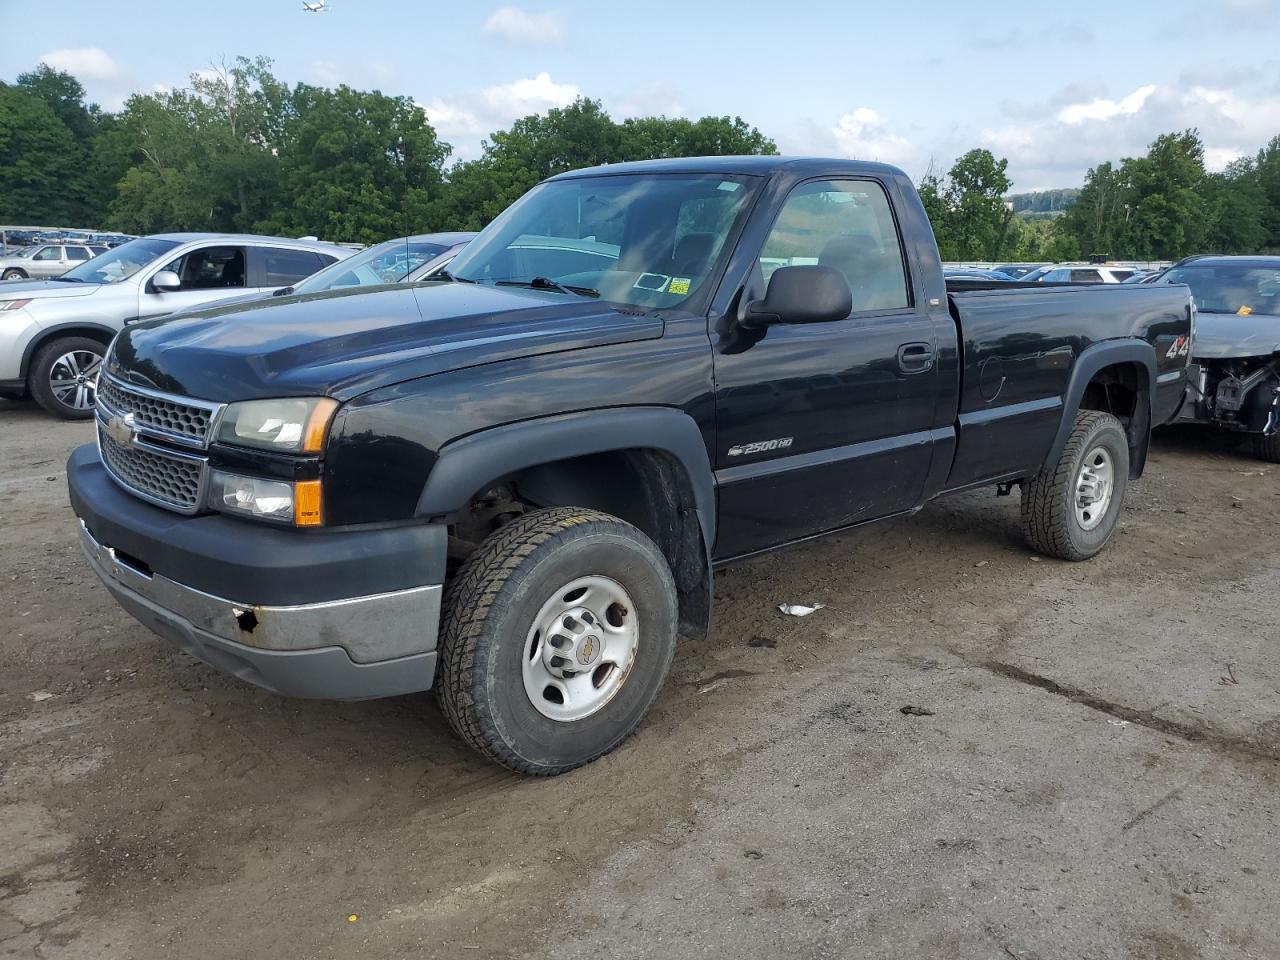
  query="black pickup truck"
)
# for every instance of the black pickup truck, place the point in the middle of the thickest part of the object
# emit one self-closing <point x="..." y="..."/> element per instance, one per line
<point x="513" y="483"/>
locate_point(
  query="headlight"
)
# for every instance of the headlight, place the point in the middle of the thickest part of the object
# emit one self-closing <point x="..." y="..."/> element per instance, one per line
<point x="290" y="425"/>
<point x="279" y="500"/>
<point x="13" y="304"/>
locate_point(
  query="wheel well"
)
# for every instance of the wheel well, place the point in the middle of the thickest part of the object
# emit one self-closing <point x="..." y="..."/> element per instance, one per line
<point x="644" y="487"/>
<point x="1123" y="391"/>
<point x="104" y="337"/>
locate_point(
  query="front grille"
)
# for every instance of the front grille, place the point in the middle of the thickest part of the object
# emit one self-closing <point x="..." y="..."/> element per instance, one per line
<point x="185" y="420"/>
<point x="169" y="480"/>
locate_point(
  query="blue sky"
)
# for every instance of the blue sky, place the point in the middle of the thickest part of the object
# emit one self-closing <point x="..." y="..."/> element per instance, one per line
<point x="1055" y="88"/>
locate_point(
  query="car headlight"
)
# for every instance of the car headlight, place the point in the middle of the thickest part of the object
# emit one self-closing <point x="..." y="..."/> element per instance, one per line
<point x="296" y="503"/>
<point x="6" y="305"/>
<point x="289" y="425"/>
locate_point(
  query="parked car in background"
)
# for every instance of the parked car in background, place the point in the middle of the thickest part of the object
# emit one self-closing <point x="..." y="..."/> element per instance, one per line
<point x="1235" y="352"/>
<point x="1080" y="273"/>
<point x="54" y="333"/>
<point x="395" y="261"/>
<point x="1018" y="270"/>
<point x="407" y="258"/>
<point x="964" y="273"/>
<point x="47" y="260"/>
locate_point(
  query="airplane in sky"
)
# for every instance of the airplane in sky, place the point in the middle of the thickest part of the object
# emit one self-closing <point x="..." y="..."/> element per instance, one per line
<point x="318" y="7"/>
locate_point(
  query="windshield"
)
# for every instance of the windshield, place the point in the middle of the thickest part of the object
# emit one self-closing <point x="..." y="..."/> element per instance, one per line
<point x="1219" y="287"/>
<point x="388" y="262"/>
<point x="1037" y="273"/>
<point x="121" y="263"/>
<point x="649" y="241"/>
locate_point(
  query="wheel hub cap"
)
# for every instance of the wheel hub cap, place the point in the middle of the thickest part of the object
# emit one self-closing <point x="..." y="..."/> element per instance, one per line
<point x="1094" y="486"/>
<point x="73" y="377"/>
<point x="580" y="648"/>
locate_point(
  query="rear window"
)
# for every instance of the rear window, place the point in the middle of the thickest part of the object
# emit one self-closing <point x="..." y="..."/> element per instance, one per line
<point x="284" y="268"/>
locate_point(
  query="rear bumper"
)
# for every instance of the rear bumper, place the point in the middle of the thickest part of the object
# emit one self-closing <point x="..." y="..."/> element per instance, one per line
<point x="292" y="613"/>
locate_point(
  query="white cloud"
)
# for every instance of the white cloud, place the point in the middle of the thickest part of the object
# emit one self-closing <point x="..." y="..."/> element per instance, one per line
<point x="83" y="63"/>
<point x="1058" y="150"/>
<point x="521" y="26"/>
<point x="1103" y="109"/>
<point x="465" y="118"/>
<point x="649" y="100"/>
<point x="863" y="135"/>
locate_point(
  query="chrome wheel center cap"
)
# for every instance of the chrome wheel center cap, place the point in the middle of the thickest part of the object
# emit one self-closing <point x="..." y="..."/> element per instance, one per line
<point x="589" y="648"/>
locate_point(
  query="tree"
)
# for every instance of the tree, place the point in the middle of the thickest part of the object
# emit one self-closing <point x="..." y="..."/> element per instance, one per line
<point x="42" y="168"/>
<point x="356" y="166"/>
<point x="967" y="209"/>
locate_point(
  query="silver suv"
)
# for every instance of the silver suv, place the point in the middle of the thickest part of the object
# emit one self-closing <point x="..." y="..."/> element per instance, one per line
<point x="47" y="260"/>
<point x="54" y="333"/>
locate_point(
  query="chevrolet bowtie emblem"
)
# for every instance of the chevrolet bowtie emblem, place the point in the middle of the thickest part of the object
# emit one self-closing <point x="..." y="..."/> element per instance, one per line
<point x="122" y="429"/>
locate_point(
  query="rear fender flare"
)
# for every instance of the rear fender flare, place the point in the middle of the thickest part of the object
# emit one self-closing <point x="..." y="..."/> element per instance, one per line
<point x="1093" y="359"/>
<point x="465" y="466"/>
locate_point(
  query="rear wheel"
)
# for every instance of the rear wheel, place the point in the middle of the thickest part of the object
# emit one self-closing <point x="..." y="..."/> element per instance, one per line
<point x="1267" y="448"/>
<point x="558" y="633"/>
<point x="1069" y="510"/>
<point x="63" y="377"/>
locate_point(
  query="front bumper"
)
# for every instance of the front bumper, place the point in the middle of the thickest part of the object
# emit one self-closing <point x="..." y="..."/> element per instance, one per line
<point x="287" y="610"/>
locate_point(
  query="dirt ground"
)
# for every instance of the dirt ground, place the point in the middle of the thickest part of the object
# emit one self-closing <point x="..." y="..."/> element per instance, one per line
<point x="1098" y="778"/>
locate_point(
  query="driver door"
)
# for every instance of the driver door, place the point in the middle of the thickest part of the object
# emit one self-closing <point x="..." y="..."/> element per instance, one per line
<point x="207" y="274"/>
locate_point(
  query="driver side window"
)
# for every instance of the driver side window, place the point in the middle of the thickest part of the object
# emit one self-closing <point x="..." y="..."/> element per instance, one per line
<point x="847" y="225"/>
<point x="211" y="268"/>
<point x="49" y="253"/>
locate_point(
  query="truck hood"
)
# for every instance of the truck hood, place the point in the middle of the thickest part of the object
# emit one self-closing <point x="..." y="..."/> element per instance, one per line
<point x="45" y="289"/>
<point x="344" y="343"/>
<point x="1224" y="336"/>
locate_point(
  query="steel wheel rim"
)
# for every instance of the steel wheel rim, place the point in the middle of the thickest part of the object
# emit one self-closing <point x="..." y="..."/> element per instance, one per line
<point x="1095" y="485"/>
<point x="73" y="378"/>
<point x="580" y="649"/>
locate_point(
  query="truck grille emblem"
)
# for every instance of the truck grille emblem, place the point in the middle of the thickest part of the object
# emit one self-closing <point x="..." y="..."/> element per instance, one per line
<point x="122" y="429"/>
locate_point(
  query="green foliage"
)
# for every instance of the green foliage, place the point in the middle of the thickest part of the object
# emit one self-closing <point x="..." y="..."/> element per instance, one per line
<point x="42" y="167"/>
<point x="1043" y="201"/>
<point x="967" y="209"/>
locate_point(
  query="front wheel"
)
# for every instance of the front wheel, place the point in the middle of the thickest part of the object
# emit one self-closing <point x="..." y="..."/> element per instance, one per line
<point x="1267" y="448"/>
<point x="13" y="274"/>
<point x="64" y="376"/>
<point x="1070" y="509"/>
<point x="557" y="636"/>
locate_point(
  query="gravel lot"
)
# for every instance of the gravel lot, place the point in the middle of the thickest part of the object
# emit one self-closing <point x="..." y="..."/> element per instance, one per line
<point x="1098" y="778"/>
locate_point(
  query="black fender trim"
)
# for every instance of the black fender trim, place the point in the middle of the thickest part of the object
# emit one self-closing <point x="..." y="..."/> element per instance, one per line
<point x="48" y="333"/>
<point x="466" y="465"/>
<point x="1106" y="354"/>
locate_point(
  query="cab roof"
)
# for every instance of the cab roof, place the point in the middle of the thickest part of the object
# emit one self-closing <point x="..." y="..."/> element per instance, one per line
<point x="755" y="166"/>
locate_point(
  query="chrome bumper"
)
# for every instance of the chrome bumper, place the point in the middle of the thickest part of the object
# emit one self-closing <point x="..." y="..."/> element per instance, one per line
<point x="350" y="649"/>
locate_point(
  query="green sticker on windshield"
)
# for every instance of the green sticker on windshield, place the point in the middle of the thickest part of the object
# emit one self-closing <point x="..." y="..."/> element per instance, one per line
<point x="678" y="285"/>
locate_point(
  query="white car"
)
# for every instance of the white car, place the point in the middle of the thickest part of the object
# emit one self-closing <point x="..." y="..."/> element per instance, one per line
<point x="1080" y="273"/>
<point x="47" y="260"/>
<point x="54" y="333"/>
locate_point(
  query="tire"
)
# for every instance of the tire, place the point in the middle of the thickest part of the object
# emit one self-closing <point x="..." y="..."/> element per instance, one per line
<point x="1267" y="448"/>
<point x="51" y="367"/>
<point x="492" y="643"/>
<point x="1056" y="520"/>
<point x="13" y="274"/>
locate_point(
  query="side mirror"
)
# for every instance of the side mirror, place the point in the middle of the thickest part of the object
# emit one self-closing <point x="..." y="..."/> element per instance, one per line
<point x="166" y="281"/>
<point x="802" y="295"/>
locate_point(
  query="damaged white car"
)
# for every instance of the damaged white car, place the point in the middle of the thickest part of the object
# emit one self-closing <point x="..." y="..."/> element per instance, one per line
<point x="1234" y="382"/>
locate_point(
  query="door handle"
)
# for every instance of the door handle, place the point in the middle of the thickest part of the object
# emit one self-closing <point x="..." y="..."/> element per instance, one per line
<point x="915" y="357"/>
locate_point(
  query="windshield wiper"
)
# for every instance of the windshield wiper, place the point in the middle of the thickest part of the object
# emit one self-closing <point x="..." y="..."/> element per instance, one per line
<point x="67" y="279"/>
<point x="546" y="283"/>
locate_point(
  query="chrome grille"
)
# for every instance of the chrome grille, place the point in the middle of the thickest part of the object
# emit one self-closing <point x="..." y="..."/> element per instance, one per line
<point x="182" y="420"/>
<point x="169" y="479"/>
